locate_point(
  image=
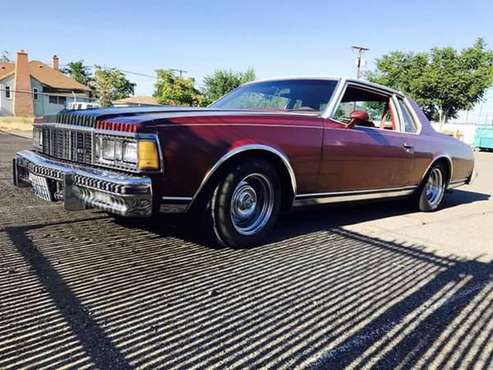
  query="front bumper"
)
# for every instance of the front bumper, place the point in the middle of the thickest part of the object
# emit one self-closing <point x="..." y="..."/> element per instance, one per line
<point x="81" y="187"/>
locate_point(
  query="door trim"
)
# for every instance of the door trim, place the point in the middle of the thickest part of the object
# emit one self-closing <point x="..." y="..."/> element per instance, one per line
<point x="350" y="196"/>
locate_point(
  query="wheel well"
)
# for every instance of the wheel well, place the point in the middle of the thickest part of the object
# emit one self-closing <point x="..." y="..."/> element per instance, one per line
<point x="275" y="160"/>
<point x="445" y="163"/>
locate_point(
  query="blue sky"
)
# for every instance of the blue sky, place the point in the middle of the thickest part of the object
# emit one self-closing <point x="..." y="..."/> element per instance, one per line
<point x="274" y="37"/>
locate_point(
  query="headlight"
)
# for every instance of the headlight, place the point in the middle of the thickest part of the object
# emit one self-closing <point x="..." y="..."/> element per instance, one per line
<point x="130" y="152"/>
<point x="38" y="137"/>
<point x="118" y="150"/>
<point x="108" y="149"/>
<point x="126" y="153"/>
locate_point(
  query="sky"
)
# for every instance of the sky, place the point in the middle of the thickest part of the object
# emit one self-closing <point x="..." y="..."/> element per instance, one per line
<point x="276" y="38"/>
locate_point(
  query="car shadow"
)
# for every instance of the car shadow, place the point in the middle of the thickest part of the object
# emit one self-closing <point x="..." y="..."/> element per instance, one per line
<point x="327" y="299"/>
<point x="301" y="220"/>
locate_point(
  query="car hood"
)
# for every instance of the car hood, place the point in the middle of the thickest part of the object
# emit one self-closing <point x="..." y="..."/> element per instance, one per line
<point x="107" y="118"/>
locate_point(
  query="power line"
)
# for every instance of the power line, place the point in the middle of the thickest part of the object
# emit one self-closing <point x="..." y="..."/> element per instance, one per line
<point x="139" y="74"/>
<point x="181" y="72"/>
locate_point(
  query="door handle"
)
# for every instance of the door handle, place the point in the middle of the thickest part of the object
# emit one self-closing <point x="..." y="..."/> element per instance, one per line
<point x="407" y="146"/>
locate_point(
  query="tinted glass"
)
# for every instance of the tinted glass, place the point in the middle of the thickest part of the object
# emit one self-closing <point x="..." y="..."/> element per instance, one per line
<point x="408" y="121"/>
<point x="287" y="95"/>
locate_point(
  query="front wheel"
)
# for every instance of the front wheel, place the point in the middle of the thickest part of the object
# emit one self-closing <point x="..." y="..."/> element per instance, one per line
<point x="245" y="204"/>
<point x="433" y="189"/>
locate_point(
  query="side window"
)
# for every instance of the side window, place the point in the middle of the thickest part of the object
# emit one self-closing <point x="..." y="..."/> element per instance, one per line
<point x="376" y="105"/>
<point x="408" y="122"/>
<point x="375" y="110"/>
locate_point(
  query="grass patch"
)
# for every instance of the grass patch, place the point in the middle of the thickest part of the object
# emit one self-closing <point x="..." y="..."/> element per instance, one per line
<point x="16" y="123"/>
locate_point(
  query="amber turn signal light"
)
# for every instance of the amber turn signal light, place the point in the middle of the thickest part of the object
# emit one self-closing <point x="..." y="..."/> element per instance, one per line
<point x="148" y="157"/>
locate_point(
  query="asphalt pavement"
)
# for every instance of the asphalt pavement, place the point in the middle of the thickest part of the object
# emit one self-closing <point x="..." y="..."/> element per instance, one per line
<point x="363" y="286"/>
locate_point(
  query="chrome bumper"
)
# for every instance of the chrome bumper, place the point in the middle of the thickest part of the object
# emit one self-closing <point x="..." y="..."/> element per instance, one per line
<point x="82" y="187"/>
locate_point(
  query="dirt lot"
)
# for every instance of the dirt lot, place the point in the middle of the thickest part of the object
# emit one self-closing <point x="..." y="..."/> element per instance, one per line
<point x="361" y="286"/>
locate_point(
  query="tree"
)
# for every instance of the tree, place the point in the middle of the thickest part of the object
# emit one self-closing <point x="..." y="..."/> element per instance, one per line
<point x="443" y="81"/>
<point x="79" y="72"/>
<point x="111" y="84"/>
<point x="175" y="90"/>
<point x="4" y="57"/>
<point x="223" y="81"/>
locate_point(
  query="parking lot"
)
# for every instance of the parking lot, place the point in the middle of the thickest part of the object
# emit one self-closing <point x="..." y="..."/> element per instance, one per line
<point x="372" y="285"/>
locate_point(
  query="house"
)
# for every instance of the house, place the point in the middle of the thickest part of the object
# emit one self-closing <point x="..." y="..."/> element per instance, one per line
<point x="32" y="88"/>
<point x="135" y="101"/>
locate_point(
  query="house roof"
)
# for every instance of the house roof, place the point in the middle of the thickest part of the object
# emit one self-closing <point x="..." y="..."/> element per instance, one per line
<point x="51" y="77"/>
<point x="6" y="69"/>
<point x="137" y="100"/>
<point x="46" y="75"/>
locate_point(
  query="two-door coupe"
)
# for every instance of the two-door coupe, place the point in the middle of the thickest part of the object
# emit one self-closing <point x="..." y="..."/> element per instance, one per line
<point x="263" y="148"/>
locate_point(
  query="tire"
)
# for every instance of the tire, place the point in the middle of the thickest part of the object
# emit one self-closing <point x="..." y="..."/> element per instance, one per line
<point x="245" y="204"/>
<point x="432" y="191"/>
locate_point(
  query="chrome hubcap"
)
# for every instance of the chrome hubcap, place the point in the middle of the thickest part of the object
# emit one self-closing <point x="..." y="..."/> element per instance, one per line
<point x="252" y="204"/>
<point x="434" y="187"/>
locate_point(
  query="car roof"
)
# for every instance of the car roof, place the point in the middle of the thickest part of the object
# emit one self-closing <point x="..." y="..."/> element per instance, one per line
<point x="331" y="78"/>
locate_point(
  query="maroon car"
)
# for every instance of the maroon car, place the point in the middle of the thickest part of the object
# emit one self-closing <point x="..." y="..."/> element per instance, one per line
<point x="264" y="148"/>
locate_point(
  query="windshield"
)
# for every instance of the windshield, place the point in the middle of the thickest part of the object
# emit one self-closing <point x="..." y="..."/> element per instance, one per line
<point x="286" y="95"/>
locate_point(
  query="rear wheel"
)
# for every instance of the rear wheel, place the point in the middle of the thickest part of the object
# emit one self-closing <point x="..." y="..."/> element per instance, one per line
<point x="433" y="189"/>
<point x="245" y="204"/>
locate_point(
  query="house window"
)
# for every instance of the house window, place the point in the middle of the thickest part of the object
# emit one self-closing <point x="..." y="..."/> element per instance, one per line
<point x="35" y="94"/>
<point x="59" y="100"/>
<point x="7" y="92"/>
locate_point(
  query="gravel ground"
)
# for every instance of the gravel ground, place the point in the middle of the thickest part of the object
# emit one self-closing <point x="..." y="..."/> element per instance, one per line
<point x="371" y="286"/>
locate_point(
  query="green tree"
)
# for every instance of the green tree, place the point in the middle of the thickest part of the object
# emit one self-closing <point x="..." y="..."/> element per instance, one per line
<point x="79" y="72"/>
<point x="176" y="90"/>
<point x="443" y="80"/>
<point x="4" y="57"/>
<point x="111" y="84"/>
<point x="223" y="81"/>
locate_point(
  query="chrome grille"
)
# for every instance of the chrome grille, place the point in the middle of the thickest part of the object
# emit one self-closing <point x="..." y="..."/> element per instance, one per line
<point x="68" y="144"/>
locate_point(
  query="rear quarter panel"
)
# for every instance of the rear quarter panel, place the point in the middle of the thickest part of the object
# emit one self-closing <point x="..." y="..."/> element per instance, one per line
<point x="430" y="145"/>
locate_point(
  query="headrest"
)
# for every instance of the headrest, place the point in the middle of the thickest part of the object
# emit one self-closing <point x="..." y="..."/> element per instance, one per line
<point x="359" y="115"/>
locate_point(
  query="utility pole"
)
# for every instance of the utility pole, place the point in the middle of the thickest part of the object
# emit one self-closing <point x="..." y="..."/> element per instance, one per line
<point x="180" y="71"/>
<point x="480" y="113"/>
<point x="360" y="50"/>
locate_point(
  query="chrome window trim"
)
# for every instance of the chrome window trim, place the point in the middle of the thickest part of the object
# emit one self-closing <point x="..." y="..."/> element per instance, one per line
<point x="394" y="106"/>
<point x="336" y="96"/>
<point x="242" y="149"/>
<point x="414" y="117"/>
